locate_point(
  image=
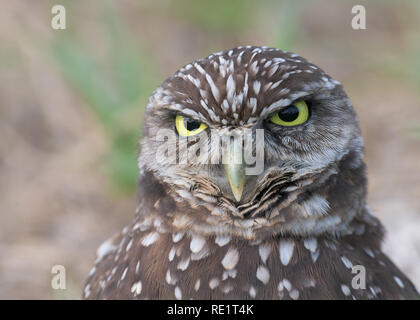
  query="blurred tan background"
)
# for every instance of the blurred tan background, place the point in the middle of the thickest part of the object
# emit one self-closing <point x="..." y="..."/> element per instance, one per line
<point x="71" y="104"/>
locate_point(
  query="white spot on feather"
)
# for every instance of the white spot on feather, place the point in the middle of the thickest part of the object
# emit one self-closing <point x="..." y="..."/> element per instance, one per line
<point x="229" y="273"/>
<point x="227" y="288"/>
<point x="136" y="288"/>
<point x="150" y="238"/>
<point x="197" y="285"/>
<point x="194" y="81"/>
<point x="347" y="262"/>
<point x="311" y="244"/>
<point x="129" y="245"/>
<point x="275" y="84"/>
<point x="399" y="281"/>
<point x="256" y="86"/>
<point x="286" y="251"/>
<point x="263" y="274"/>
<point x="178" y="293"/>
<point x="252" y="104"/>
<point x="105" y="248"/>
<point x="272" y="70"/>
<point x="213" y="283"/>
<point x="369" y="252"/>
<point x="230" y="259"/>
<point x="176" y="237"/>
<point x="183" y="264"/>
<point x="197" y="243"/>
<point x="294" y="294"/>
<point x="200" y="69"/>
<point x="200" y="255"/>
<point x="171" y="254"/>
<point x="252" y="292"/>
<point x="264" y="250"/>
<point x="253" y="67"/>
<point x="222" y="241"/>
<point x="213" y="88"/>
<point x="345" y="289"/>
<point x="124" y="274"/>
<point x="315" y="255"/>
<point x="284" y="284"/>
<point x="230" y="88"/>
<point x="170" y="279"/>
<point x="87" y="291"/>
<point x="92" y="271"/>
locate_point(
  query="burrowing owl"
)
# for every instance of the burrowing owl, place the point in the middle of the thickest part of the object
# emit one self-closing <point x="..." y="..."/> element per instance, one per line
<point x="208" y="227"/>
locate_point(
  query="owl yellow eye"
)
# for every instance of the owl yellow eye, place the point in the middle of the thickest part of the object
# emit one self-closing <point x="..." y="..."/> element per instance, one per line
<point x="187" y="127"/>
<point x="293" y="115"/>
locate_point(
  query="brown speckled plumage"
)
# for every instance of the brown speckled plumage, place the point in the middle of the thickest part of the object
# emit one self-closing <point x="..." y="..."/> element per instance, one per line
<point x="301" y="225"/>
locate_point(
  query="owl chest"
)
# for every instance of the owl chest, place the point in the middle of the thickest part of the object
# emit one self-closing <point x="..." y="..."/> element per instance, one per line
<point x="155" y="264"/>
<point x="185" y="266"/>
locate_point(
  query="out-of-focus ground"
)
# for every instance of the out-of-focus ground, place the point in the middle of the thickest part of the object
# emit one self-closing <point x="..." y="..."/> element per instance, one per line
<point x="71" y="106"/>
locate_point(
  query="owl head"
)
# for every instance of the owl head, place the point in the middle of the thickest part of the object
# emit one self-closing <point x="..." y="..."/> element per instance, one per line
<point x="255" y="140"/>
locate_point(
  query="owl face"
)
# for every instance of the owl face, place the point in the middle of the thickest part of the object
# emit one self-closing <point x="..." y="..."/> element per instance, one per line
<point x="293" y="121"/>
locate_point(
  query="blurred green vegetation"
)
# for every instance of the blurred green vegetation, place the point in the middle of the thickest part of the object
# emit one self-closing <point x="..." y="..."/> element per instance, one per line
<point x="115" y="88"/>
<point x="286" y="25"/>
<point x="230" y="16"/>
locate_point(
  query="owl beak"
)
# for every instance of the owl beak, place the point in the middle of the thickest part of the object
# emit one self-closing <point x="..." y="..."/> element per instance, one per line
<point x="235" y="172"/>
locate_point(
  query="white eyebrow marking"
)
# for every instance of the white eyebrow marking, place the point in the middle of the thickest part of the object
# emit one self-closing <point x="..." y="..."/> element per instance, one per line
<point x="189" y="112"/>
<point x="274" y="105"/>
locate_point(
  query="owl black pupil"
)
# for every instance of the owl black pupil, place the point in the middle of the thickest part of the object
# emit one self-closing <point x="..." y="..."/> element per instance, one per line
<point x="289" y="114"/>
<point x="191" y="125"/>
